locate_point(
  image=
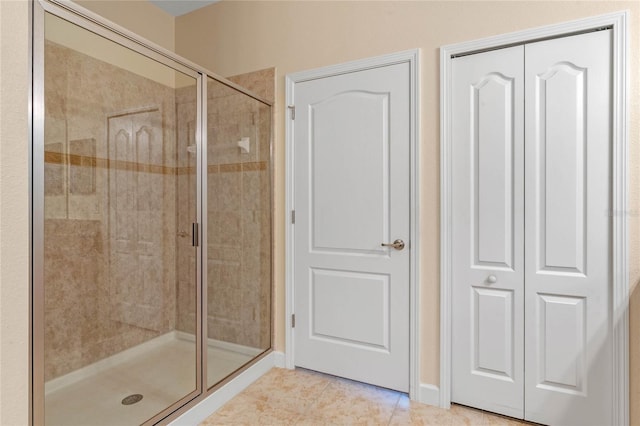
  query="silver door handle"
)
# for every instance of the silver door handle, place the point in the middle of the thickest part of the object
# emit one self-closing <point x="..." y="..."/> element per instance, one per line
<point x="397" y="244"/>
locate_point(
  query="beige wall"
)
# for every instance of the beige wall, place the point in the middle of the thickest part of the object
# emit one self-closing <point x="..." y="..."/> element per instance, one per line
<point x="14" y="213"/>
<point x="80" y="40"/>
<point x="141" y="17"/>
<point x="234" y="37"/>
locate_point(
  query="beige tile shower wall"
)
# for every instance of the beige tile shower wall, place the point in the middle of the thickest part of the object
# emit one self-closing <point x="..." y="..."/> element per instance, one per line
<point x="186" y="214"/>
<point x="239" y="218"/>
<point x="262" y="82"/>
<point x="88" y="317"/>
<point x="238" y="208"/>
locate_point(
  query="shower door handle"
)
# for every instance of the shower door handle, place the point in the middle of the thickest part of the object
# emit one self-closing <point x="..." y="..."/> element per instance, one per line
<point x="194" y="234"/>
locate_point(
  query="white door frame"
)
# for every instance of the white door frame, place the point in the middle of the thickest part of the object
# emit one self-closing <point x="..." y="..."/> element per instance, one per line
<point x="412" y="58"/>
<point x="620" y="139"/>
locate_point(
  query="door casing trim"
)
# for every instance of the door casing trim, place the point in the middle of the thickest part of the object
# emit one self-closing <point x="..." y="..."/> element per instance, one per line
<point x="617" y="21"/>
<point x="412" y="57"/>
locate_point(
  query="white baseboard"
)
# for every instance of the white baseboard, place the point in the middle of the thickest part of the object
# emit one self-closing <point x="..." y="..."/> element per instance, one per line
<point x="429" y="394"/>
<point x="279" y="360"/>
<point x="221" y="396"/>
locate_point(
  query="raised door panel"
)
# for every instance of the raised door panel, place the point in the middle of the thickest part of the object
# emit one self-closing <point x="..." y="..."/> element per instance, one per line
<point x="487" y="247"/>
<point x="150" y="175"/>
<point x="122" y="273"/>
<point x="568" y="230"/>
<point x="561" y="353"/>
<point x="492" y="133"/>
<point x="122" y="193"/>
<point x="336" y="295"/>
<point x="560" y="97"/>
<point x="349" y="196"/>
<point x="493" y="333"/>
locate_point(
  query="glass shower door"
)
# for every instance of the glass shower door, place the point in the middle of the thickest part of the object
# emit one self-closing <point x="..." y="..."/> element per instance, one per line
<point x="238" y="281"/>
<point x="118" y="190"/>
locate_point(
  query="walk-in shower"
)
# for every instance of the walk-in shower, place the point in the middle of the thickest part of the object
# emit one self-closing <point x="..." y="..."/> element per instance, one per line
<point x="151" y="226"/>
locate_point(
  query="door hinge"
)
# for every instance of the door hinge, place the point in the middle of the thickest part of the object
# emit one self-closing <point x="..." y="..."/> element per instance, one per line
<point x="292" y="108"/>
<point x="293" y="216"/>
<point x="194" y="234"/>
<point x="293" y="321"/>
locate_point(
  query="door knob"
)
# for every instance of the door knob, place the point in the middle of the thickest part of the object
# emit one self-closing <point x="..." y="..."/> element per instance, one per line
<point x="397" y="244"/>
<point x="492" y="279"/>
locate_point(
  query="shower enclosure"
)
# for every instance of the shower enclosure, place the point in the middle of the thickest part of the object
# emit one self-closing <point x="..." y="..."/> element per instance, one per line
<point x="151" y="226"/>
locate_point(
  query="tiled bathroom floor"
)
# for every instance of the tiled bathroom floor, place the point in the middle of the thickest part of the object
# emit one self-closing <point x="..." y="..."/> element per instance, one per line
<point x="303" y="397"/>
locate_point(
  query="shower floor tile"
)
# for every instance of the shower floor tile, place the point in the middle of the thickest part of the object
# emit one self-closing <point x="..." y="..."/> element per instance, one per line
<point x="162" y="375"/>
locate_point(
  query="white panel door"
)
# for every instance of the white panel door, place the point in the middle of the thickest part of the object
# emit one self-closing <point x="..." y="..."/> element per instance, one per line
<point x="487" y="262"/>
<point x="531" y="264"/>
<point x="351" y="150"/>
<point x="568" y="230"/>
<point x="136" y="180"/>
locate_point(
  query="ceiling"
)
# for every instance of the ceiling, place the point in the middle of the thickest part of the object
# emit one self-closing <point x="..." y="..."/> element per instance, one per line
<point x="180" y="7"/>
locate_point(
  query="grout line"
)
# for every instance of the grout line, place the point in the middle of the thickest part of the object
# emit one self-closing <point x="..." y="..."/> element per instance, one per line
<point x="393" y="412"/>
<point x="312" y="403"/>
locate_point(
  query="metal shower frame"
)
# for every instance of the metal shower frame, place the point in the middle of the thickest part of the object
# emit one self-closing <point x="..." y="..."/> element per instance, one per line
<point x="94" y="23"/>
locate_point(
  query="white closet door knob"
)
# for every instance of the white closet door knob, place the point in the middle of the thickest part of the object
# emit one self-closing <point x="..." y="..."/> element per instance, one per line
<point x="492" y="279"/>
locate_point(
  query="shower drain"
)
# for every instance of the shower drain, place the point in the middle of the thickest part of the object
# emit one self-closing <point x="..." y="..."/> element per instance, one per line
<point x="132" y="399"/>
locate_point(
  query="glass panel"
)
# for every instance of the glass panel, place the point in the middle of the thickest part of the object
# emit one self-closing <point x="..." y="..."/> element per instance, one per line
<point x="120" y="197"/>
<point x="239" y="230"/>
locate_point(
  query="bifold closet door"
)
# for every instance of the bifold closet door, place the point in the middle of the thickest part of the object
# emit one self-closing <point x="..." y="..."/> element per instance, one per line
<point x="568" y="230"/>
<point x="531" y="264"/>
<point x="488" y="208"/>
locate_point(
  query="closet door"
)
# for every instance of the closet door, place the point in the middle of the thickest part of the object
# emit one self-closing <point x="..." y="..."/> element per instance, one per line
<point x="568" y="230"/>
<point x="487" y="246"/>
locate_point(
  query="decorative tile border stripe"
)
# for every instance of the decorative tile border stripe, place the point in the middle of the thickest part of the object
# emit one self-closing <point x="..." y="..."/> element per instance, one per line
<point x="105" y="163"/>
<point x="185" y="170"/>
<point x="233" y="167"/>
<point x="254" y="166"/>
